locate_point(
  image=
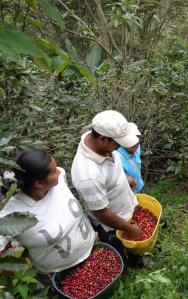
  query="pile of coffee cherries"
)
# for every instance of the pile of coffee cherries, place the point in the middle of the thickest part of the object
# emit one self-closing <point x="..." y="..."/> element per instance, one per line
<point x="145" y="219"/>
<point x="93" y="275"/>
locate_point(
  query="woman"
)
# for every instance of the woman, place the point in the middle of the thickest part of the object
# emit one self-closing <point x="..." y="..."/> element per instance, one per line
<point x="131" y="161"/>
<point x="63" y="236"/>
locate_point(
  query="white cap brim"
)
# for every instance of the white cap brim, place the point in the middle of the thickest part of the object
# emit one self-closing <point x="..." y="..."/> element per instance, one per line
<point x="132" y="129"/>
<point x="127" y="141"/>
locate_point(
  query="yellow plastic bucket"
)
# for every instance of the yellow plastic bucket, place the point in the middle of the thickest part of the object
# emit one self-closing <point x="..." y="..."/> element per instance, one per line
<point x="140" y="247"/>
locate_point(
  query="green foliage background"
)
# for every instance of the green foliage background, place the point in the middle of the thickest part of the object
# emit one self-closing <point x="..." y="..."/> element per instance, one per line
<point x="52" y="84"/>
<point x="61" y="62"/>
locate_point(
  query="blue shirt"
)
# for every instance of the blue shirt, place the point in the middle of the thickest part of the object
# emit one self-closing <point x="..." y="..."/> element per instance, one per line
<point x="132" y="166"/>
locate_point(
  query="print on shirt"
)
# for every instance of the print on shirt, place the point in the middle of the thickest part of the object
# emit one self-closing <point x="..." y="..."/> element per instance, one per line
<point x="74" y="207"/>
<point x="75" y="210"/>
<point x="84" y="229"/>
<point x="50" y="240"/>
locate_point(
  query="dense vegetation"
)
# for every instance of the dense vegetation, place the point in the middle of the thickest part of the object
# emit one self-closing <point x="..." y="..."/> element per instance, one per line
<point x="61" y="62"/>
<point x="58" y="69"/>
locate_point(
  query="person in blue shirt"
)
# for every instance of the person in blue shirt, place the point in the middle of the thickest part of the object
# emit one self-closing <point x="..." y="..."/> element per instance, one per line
<point x="131" y="162"/>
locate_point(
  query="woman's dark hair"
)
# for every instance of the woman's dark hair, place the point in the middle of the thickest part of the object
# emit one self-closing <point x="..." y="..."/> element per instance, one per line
<point x="34" y="166"/>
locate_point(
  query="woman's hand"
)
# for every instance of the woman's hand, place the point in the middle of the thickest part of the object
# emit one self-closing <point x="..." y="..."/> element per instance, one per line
<point x="131" y="181"/>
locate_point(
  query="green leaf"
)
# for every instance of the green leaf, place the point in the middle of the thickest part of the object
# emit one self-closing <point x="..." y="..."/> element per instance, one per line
<point x="60" y="65"/>
<point x="104" y="66"/>
<point x="5" y="140"/>
<point x="36" y="108"/>
<point x="8" y="149"/>
<point x="49" y="47"/>
<point x="35" y="23"/>
<point x="14" y="281"/>
<point x="13" y="43"/>
<point x="32" y="3"/>
<point x="23" y="290"/>
<point x="5" y="295"/>
<point x="2" y="93"/>
<point x="16" y="223"/>
<point x="11" y="191"/>
<point x="8" y="163"/>
<point x="42" y="64"/>
<point x="30" y="272"/>
<point x="186" y="232"/>
<point x="93" y="56"/>
<point x="52" y="12"/>
<point x="13" y="264"/>
<point x="30" y="280"/>
<point x="84" y="71"/>
<point x="72" y="51"/>
<point x="162" y="279"/>
<point x="183" y="269"/>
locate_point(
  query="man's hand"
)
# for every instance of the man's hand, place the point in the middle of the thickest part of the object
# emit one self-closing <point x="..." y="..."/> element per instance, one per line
<point x="133" y="231"/>
<point x="111" y="219"/>
<point x="131" y="181"/>
<point x="137" y="208"/>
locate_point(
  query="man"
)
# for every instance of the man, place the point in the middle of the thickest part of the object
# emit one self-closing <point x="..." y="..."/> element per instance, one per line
<point x="98" y="176"/>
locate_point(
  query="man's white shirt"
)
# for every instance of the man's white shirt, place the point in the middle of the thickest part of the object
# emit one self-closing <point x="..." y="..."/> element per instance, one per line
<point x="102" y="183"/>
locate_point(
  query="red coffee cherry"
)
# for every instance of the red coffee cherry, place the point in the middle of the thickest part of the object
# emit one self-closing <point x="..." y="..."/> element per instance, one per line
<point x="145" y="219"/>
<point x="93" y="275"/>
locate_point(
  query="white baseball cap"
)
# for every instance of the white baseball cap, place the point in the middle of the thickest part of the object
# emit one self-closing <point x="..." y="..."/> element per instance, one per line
<point x="132" y="129"/>
<point x="113" y="124"/>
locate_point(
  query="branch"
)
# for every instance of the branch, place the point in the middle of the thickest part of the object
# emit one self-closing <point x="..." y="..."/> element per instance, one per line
<point x="96" y="41"/>
<point x="1" y="12"/>
<point x="76" y="17"/>
<point x="17" y="10"/>
<point x="105" y="24"/>
<point x="89" y="8"/>
<point x="160" y="30"/>
<point x="41" y="32"/>
<point x="93" y="37"/>
<point x="25" y="17"/>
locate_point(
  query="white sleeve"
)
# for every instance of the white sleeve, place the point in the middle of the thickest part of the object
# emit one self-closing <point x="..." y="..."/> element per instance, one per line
<point x="63" y="174"/>
<point x="135" y="201"/>
<point x="94" y="194"/>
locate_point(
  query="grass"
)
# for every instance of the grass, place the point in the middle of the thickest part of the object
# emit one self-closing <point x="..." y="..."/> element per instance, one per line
<point x="168" y="278"/>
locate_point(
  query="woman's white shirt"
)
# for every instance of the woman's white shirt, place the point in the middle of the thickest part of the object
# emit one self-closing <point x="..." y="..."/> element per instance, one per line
<point x="63" y="236"/>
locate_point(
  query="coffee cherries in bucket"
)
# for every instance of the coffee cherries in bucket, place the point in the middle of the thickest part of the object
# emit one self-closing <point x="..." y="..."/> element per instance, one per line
<point x="147" y="222"/>
<point x="91" y="276"/>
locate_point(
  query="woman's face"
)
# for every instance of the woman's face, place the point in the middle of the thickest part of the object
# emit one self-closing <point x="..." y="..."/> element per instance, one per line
<point x="52" y="178"/>
<point x="133" y="148"/>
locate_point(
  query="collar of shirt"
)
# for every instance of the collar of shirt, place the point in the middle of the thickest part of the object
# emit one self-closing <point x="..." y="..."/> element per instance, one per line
<point x="87" y="152"/>
<point x="25" y="199"/>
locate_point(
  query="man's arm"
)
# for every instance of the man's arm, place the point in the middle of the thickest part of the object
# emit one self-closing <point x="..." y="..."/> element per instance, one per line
<point x="111" y="219"/>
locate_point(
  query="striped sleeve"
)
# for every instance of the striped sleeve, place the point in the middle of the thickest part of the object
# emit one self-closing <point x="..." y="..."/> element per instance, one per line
<point x="94" y="194"/>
